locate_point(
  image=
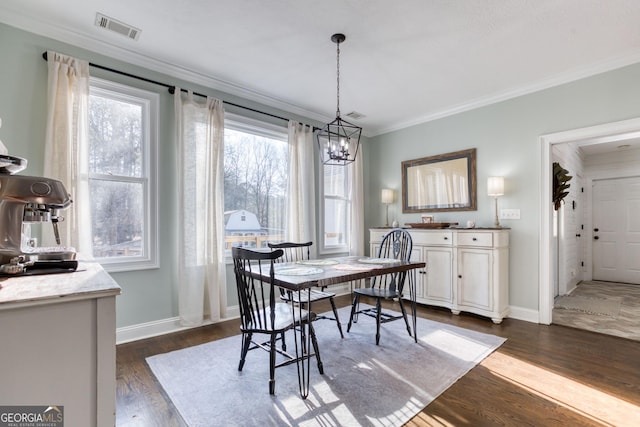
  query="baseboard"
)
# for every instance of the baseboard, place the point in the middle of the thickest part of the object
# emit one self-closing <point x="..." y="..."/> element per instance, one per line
<point x="172" y="324"/>
<point x="526" y="314"/>
<point x="163" y="326"/>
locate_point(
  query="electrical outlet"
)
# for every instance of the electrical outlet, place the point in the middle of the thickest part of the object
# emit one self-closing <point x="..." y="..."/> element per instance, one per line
<point x="509" y="213"/>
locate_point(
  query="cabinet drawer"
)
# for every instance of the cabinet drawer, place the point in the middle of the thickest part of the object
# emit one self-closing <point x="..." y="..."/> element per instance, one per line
<point x="429" y="238"/>
<point x="475" y="239"/>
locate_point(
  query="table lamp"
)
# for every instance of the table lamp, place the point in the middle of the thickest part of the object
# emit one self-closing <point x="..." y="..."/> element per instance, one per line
<point x="495" y="188"/>
<point x="387" y="198"/>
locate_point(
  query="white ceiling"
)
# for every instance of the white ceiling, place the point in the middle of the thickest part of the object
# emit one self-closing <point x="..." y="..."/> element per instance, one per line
<point x="404" y="61"/>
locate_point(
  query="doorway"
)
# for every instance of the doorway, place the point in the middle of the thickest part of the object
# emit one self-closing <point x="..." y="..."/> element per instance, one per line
<point x="591" y="136"/>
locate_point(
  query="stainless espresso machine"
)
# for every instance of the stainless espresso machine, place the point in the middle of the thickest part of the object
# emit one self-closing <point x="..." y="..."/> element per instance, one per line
<point x="25" y="200"/>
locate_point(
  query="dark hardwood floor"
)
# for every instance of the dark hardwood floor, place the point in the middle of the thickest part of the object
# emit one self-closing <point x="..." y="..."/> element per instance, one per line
<point x="541" y="376"/>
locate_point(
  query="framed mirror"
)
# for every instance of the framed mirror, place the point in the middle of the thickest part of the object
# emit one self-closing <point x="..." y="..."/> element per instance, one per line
<point x="446" y="182"/>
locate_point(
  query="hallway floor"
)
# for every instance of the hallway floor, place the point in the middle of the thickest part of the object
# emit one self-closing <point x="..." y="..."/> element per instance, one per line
<point x="625" y="324"/>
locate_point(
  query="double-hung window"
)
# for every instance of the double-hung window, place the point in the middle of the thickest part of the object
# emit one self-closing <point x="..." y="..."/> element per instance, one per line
<point x="255" y="182"/>
<point x="336" y="208"/>
<point x="122" y="175"/>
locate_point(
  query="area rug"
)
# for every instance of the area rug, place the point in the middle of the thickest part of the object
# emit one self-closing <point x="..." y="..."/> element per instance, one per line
<point x="599" y="306"/>
<point x="363" y="384"/>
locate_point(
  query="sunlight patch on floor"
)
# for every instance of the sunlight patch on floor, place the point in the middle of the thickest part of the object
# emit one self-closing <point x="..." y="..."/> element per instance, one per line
<point x="580" y="398"/>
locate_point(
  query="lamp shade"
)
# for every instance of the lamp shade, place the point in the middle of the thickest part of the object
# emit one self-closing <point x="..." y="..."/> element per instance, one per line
<point x="387" y="196"/>
<point x="495" y="186"/>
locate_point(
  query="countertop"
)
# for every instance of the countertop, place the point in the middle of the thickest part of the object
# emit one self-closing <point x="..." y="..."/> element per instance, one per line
<point x="88" y="281"/>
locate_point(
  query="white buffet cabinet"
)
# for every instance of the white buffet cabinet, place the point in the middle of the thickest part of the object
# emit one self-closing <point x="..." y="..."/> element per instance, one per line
<point x="57" y="335"/>
<point x="466" y="269"/>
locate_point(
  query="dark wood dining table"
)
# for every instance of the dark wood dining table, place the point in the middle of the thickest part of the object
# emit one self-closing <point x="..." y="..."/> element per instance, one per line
<point x="303" y="275"/>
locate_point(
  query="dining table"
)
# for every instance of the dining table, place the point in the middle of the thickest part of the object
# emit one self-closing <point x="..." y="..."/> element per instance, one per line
<point x="303" y="275"/>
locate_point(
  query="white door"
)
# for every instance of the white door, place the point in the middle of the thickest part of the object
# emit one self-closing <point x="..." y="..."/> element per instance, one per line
<point x="616" y="230"/>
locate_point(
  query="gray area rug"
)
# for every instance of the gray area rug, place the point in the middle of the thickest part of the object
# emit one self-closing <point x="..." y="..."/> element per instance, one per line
<point x="363" y="384"/>
<point x="600" y="306"/>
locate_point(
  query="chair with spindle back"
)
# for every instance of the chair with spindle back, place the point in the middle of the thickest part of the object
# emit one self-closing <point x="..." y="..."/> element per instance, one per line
<point x="261" y="314"/>
<point x="294" y="252"/>
<point x="396" y="244"/>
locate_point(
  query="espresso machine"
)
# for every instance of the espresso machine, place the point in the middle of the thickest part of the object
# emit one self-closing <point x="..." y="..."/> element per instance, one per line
<point x="26" y="200"/>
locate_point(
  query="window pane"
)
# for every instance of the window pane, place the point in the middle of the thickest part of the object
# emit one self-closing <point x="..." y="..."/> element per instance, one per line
<point x="115" y="137"/>
<point x="335" y="222"/>
<point x="255" y="188"/>
<point x="334" y="181"/>
<point x="117" y="218"/>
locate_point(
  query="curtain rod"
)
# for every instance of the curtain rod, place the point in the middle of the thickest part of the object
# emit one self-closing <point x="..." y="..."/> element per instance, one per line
<point x="172" y="89"/>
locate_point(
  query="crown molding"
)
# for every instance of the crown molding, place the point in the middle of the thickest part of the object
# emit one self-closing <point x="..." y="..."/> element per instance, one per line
<point x="560" y="79"/>
<point x="84" y="41"/>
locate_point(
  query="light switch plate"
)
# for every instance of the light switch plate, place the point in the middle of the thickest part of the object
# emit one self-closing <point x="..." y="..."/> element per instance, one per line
<point x="509" y="213"/>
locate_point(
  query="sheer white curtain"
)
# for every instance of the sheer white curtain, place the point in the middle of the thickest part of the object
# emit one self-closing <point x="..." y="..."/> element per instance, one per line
<point x="201" y="263"/>
<point x="357" y="237"/>
<point x="67" y="144"/>
<point x="301" y="212"/>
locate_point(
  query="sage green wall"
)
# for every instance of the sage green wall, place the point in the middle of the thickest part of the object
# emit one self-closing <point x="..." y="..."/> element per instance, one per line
<point x="506" y="138"/>
<point x="147" y="295"/>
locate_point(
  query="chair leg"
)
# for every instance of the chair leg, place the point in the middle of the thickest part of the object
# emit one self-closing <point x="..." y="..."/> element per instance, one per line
<point x="335" y="314"/>
<point x="353" y="311"/>
<point x="272" y="365"/>
<point x="284" y="343"/>
<point x="404" y="314"/>
<point x="246" y="341"/>
<point x="378" y="320"/>
<point x="316" y="349"/>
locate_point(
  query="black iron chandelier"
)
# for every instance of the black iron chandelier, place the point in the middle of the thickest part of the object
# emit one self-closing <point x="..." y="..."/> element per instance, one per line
<point x="339" y="140"/>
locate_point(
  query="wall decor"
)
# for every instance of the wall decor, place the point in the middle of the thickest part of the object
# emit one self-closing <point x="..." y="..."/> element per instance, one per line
<point x="561" y="185"/>
<point x="445" y="182"/>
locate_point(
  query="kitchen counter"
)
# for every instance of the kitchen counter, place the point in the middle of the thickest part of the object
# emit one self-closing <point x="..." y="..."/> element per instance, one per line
<point x="88" y="281"/>
<point x="58" y="335"/>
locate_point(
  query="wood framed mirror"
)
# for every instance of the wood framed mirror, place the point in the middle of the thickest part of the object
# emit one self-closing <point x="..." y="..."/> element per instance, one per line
<point x="442" y="183"/>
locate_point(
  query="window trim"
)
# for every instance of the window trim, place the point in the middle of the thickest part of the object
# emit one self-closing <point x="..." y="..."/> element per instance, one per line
<point x="150" y="102"/>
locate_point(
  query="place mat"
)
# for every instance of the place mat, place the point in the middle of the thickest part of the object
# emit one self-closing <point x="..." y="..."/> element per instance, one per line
<point x="378" y="260"/>
<point x="318" y="262"/>
<point x="298" y="271"/>
<point x="356" y="267"/>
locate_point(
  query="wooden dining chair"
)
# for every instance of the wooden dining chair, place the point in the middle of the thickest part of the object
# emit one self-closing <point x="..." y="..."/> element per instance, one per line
<point x="396" y="244"/>
<point x="261" y="314"/>
<point x="299" y="252"/>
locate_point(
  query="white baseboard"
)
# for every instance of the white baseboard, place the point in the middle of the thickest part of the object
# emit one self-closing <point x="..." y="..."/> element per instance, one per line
<point x="526" y="314"/>
<point x="172" y="324"/>
<point x="162" y="327"/>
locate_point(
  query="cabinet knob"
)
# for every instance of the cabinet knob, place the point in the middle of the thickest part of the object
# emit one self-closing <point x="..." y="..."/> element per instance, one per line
<point x="474" y="239"/>
<point x="446" y="238"/>
<point x="459" y="276"/>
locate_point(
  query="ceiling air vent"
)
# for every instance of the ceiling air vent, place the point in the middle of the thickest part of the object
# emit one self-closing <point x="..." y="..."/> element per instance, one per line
<point x="116" y="26"/>
<point x="355" y="115"/>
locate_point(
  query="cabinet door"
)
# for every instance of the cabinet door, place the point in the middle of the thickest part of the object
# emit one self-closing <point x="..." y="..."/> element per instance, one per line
<point x="475" y="278"/>
<point x="439" y="281"/>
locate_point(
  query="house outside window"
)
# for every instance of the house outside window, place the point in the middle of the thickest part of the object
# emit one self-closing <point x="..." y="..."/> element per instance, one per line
<point x="336" y="209"/>
<point x="122" y="175"/>
<point x="255" y="182"/>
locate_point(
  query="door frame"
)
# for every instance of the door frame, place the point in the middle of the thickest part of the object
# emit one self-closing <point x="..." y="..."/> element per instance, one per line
<point x="586" y="136"/>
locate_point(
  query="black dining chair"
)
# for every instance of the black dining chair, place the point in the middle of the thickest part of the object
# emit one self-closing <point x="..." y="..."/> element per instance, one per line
<point x="261" y="313"/>
<point x="299" y="252"/>
<point x="396" y="244"/>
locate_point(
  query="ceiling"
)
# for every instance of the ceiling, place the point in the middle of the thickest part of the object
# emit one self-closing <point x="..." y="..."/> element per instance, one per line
<point x="404" y="62"/>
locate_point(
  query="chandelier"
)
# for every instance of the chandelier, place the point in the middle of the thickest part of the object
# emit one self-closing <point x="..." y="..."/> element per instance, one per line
<point x="339" y="140"/>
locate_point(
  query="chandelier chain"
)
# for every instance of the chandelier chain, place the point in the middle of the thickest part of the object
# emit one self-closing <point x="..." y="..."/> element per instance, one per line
<point x="338" y="79"/>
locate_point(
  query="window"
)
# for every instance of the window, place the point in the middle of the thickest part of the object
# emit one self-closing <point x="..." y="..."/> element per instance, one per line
<point x="255" y="182"/>
<point x="122" y="175"/>
<point x="336" y="208"/>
